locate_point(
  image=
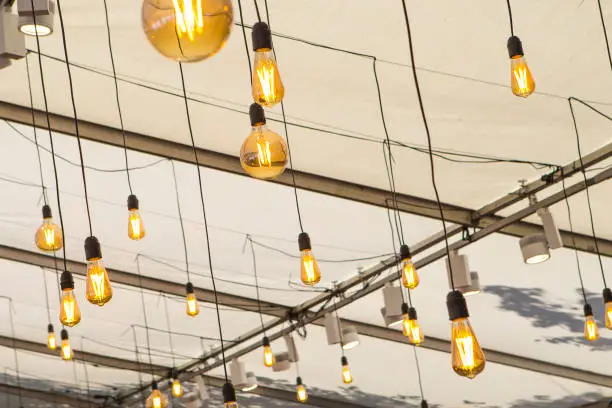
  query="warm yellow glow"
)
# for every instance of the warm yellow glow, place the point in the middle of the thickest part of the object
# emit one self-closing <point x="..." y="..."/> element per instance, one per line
<point x="70" y="313"/>
<point x="264" y="154"/>
<point x="521" y="79"/>
<point x="189" y="17"/>
<point x="609" y="315"/>
<point x="136" y="228"/>
<point x="347" y="377"/>
<point x="177" y="389"/>
<point x="269" y="359"/>
<point x="310" y="272"/>
<point x="51" y="341"/>
<point x="230" y="404"/>
<point x="157" y="400"/>
<point x="591" y="332"/>
<point x="193" y="308"/>
<point x="49" y="236"/>
<point x="467" y="357"/>
<point x="99" y="289"/>
<point x="66" y="350"/>
<point x="302" y="395"/>
<point x="412" y="330"/>
<point x="268" y="89"/>
<point x="410" y="277"/>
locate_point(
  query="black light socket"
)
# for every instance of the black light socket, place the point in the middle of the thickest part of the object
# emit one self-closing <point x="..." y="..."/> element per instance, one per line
<point x="424" y="404"/>
<point x="189" y="288"/>
<point x="299" y="381"/>
<point x="261" y="36"/>
<point x="405" y="308"/>
<point x="154" y="385"/>
<point x="50" y="328"/>
<point x="304" y="242"/>
<point x="93" y="250"/>
<point x="412" y="314"/>
<point x="64" y="334"/>
<point x="46" y="212"/>
<point x="515" y="47"/>
<point x="607" y="295"/>
<point x="66" y="281"/>
<point x="257" y="115"/>
<point x="456" y="305"/>
<point x="229" y="393"/>
<point x="588" y="310"/>
<point x="344" y="361"/>
<point x="404" y="252"/>
<point x="266" y="341"/>
<point x="132" y="202"/>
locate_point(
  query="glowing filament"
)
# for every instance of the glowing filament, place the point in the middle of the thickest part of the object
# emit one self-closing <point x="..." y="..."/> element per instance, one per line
<point x="193" y="308"/>
<point x="265" y="73"/>
<point x="591" y="332"/>
<point x="347" y="377"/>
<point x="49" y="236"/>
<point x="465" y="345"/>
<point x="66" y="350"/>
<point x="302" y="395"/>
<point x="263" y="152"/>
<point x="189" y="17"/>
<point x="269" y="359"/>
<point x="51" y="341"/>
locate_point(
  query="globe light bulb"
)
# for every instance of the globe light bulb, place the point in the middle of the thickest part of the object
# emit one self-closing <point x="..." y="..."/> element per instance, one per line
<point x="302" y="395"/>
<point x="193" y="307"/>
<point x="229" y="396"/>
<point x="136" y="229"/>
<point x="521" y="79"/>
<point x="268" y="89"/>
<point x="187" y="30"/>
<point x="468" y="359"/>
<point x="51" y="340"/>
<point x="264" y="154"/>
<point x="591" y="333"/>
<point x="269" y="359"/>
<point x="49" y="236"/>
<point x="156" y="399"/>
<point x="410" y="325"/>
<point x="177" y="389"/>
<point x="70" y="313"/>
<point x="607" y="298"/>
<point x="410" y="277"/>
<point x="99" y="290"/>
<point x="309" y="269"/>
<point x="66" y="349"/>
<point x="347" y="377"/>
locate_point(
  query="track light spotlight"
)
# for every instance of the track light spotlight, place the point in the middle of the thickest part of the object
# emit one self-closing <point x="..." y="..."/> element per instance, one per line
<point x="392" y="310"/>
<point x="201" y="383"/>
<point x="281" y="363"/>
<point x="291" y="348"/>
<point x="332" y="328"/>
<point x="240" y="378"/>
<point x="534" y="248"/>
<point x="551" y="232"/>
<point x="474" y="287"/>
<point x="251" y="383"/>
<point x="12" y="42"/>
<point x="457" y="266"/>
<point x="44" y="10"/>
<point x="350" y="337"/>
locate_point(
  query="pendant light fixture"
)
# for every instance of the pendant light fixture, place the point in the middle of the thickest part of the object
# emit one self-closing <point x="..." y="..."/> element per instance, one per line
<point x="347" y="376"/>
<point x="70" y="313"/>
<point x="192" y="305"/>
<point x="302" y="395"/>
<point x="51" y="340"/>
<point x="309" y="269"/>
<point x="410" y="276"/>
<point x="156" y="399"/>
<point x="99" y="290"/>
<point x="66" y="348"/>
<point x="268" y="355"/>
<point x="467" y="357"/>
<point x="591" y="333"/>
<point x="42" y="25"/>
<point x="268" y="89"/>
<point x="410" y="326"/>
<point x="48" y="235"/>
<point x="136" y="229"/>
<point x="521" y="80"/>
<point x="229" y="396"/>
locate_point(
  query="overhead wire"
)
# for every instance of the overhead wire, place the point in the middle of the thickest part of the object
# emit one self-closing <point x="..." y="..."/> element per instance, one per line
<point x="146" y="323"/>
<point x="510" y="18"/>
<point x="254" y="260"/>
<point x="180" y="215"/>
<point x="605" y="32"/>
<point x="46" y="295"/>
<point x="15" y="354"/>
<point x="169" y="332"/>
<point x="34" y="128"/>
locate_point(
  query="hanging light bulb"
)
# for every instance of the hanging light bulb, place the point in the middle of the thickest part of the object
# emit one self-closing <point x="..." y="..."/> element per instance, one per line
<point x="99" y="290"/>
<point x="177" y="388"/>
<point x="347" y="377"/>
<point x="66" y="349"/>
<point x="520" y="75"/>
<point x="136" y="229"/>
<point x="229" y="396"/>
<point x="70" y="313"/>
<point x="424" y="404"/>
<point x="302" y="395"/>
<point x="310" y="272"/>
<point x="607" y="298"/>
<point x="193" y="307"/>
<point x="467" y="357"/>
<point x="591" y="333"/>
<point x="269" y="359"/>
<point x="51" y="340"/>
<point x="410" y="277"/>
<point x="264" y="153"/>
<point x="411" y="328"/>
<point x="268" y="89"/>
<point x="156" y="399"/>
<point x="187" y="30"/>
<point x="49" y="236"/>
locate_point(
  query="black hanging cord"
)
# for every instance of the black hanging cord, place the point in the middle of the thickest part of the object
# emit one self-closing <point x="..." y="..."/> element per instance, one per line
<point x="15" y="356"/>
<point x="84" y="357"/>
<point x="180" y="215"/>
<point x="110" y="49"/>
<point x="44" y="274"/>
<point x="74" y="112"/>
<point x="398" y="265"/>
<point x="431" y="159"/>
<point x="137" y="355"/>
<point x="396" y="215"/>
<point x="256" y="282"/>
<point x="510" y="18"/>
<point x="256" y="10"/>
<point x="246" y="43"/>
<point x="603" y="26"/>
<point x="212" y="274"/>
<point x="169" y="331"/>
<point x="418" y="369"/>
<point x="44" y="92"/>
<point x="42" y="179"/>
<point x="586" y="189"/>
<point x="144" y="315"/>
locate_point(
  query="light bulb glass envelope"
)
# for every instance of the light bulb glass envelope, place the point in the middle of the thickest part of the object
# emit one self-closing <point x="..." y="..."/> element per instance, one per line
<point x="521" y="80"/>
<point x="264" y="153"/>
<point x="48" y="236"/>
<point x="177" y="388"/>
<point x="156" y="399"/>
<point x="302" y="395"/>
<point x="70" y="313"/>
<point x="468" y="359"/>
<point x="411" y="327"/>
<point x="267" y="86"/>
<point x="310" y="274"/>
<point x="607" y="298"/>
<point x="192" y="305"/>
<point x="136" y="229"/>
<point x="350" y="337"/>
<point x="66" y="348"/>
<point x="51" y="340"/>
<point x="99" y="290"/>
<point x="347" y="376"/>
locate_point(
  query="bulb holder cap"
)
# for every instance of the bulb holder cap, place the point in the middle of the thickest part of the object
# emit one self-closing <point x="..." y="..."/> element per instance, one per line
<point x="304" y="242"/>
<point x="46" y="210"/>
<point x="262" y="36"/>
<point x="189" y="288"/>
<point x="515" y="47"/>
<point x="66" y="281"/>
<point x="64" y="334"/>
<point x="405" y="308"/>
<point x="50" y="328"/>
<point x="588" y="310"/>
<point x="229" y="393"/>
<point x="424" y="404"/>
<point x="456" y="305"/>
<point x="412" y="313"/>
<point x="405" y="252"/>
<point x="93" y="250"/>
<point x="607" y="295"/>
<point x="257" y="115"/>
<point x="132" y="202"/>
<point x="344" y="361"/>
<point x="299" y="381"/>
<point x="154" y="386"/>
<point x="265" y="342"/>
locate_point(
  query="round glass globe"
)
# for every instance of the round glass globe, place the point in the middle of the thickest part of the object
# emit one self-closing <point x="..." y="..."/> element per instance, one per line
<point x="264" y="154"/>
<point x="187" y="30"/>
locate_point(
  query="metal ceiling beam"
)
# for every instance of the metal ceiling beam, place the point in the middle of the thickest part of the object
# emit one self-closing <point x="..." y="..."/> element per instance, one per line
<point x="603" y="403"/>
<point x="55" y="397"/>
<point x="325" y="185"/>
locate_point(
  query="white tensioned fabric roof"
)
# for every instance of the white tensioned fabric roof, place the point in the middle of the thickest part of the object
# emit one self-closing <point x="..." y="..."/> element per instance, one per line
<point x="461" y="56"/>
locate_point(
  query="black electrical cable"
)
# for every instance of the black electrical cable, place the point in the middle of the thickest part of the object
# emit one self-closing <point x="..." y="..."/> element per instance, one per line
<point x="418" y="369"/>
<point x="572" y="98"/>
<point x="246" y="43"/>
<point x="431" y="159"/>
<point x="603" y="26"/>
<point x="85" y="370"/>
<point x="398" y="265"/>
<point x="146" y="323"/>
<point x="44" y="274"/>
<point x="74" y="112"/>
<point x="510" y="18"/>
<point x="212" y="274"/>
<point x="256" y="283"/>
<point x="137" y="355"/>
<point x="169" y="332"/>
<point x="291" y="255"/>
<point x="15" y="356"/>
<point x="394" y="202"/>
<point x="110" y="49"/>
<point x="256" y="10"/>
<point x="180" y="215"/>
<point x="42" y="179"/>
<point x="586" y="189"/>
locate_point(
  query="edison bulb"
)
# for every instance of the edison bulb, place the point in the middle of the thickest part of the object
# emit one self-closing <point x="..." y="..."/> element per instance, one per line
<point x="412" y="330"/>
<point x="310" y="272"/>
<point x="230" y="404"/>
<point x="70" y="313"/>
<point x="157" y="399"/>
<point x="591" y="332"/>
<point x="410" y="277"/>
<point x="468" y="358"/>
<point x="51" y="340"/>
<point x="177" y="388"/>
<point x="269" y="359"/>
<point x="522" y="81"/>
<point x="187" y="30"/>
<point x="66" y="349"/>
<point x="609" y="315"/>
<point x="136" y="228"/>
<point x="48" y="236"/>
<point x="99" y="290"/>
<point x="193" y="308"/>
<point x="302" y="395"/>
<point x="264" y="153"/>
<point x="268" y="89"/>
<point x="347" y="377"/>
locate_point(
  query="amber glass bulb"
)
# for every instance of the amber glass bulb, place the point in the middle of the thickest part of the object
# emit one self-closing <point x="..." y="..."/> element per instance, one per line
<point x="193" y="308"/>
<point x="521" y="79"/>
<point x="70" y="313"/>
<point x="48" y="236"/>
<point x="177" y="389"/>
<point x="412" y="330"/>
<point x="264" y="153"/>
<point x="230" y="404"/>
<point x="187" y="30"/>
<point x="99" y="289"/>
<point x="347" y="377"/>
<point x="609" y="315"/>
<point x="410" y="277"/>
<point x="268" y="89"/>
<point x="302" y="395"/>
<point x="136" y="229"/>
<point x="269" y="359"/>
<point x="467" y="356"/>
<point x="310" y="272"/>
<point x="66" y="350"/>
<point x="51" y="341"/>
<point x="157" y="400"/>
<point x="591" y="332"/>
